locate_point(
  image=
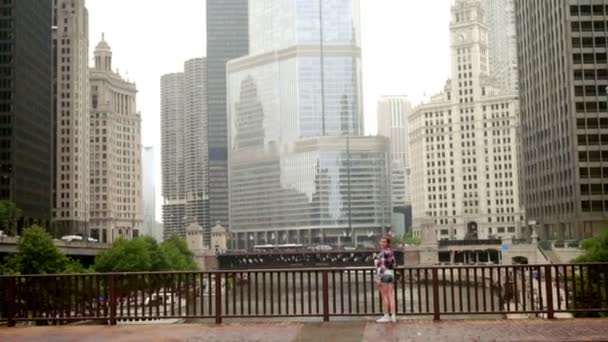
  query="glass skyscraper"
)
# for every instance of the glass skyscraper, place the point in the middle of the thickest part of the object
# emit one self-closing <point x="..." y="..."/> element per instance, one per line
<point x="300" y="169"/>
<point x="226" y="39"/>
<point x="26" y="97"/>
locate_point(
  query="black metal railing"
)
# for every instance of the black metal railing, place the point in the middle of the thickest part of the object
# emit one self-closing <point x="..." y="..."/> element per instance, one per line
<point x="322" y="293"/>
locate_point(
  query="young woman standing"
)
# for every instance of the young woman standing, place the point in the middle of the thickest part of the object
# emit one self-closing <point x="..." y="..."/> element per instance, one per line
<point x="385" y="264"/>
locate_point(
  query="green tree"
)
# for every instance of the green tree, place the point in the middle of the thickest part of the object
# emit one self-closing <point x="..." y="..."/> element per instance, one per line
<point x="179" y="257"/>
<point x="36" y="253"/>
<point x="410" y="239"/>
<point x="589" y="294"/>
<point x="9" y="216"/>
<point x="158" y="258"/>
<point x="596" y="249"/>
<point x="125" y="256"/>
<point x="144" y="254"/>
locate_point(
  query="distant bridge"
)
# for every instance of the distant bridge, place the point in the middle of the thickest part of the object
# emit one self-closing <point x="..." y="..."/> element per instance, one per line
<point x="76" y="249"/>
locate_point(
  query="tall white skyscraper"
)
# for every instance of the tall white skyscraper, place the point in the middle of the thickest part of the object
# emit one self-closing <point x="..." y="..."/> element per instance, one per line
<point x="393" y="114"/>
<point x="71" y="118"/>
<point x="463" y="144"/>
<point x="172" y="154"/>
<point x="115" y="132"/>
<point x="499" y="17"/>
<point x="184" y="149"/>
<point x="149" y="228"/>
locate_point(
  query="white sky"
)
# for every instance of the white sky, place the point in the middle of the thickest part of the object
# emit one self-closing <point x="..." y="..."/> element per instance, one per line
<point x="405" y="50"/>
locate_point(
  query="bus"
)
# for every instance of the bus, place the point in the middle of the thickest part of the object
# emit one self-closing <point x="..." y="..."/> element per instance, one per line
<point x="283" y="247"/>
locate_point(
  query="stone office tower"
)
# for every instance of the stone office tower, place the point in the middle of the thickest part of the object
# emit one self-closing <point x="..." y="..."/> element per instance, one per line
<point x="563" y="74"/>
<point x="115" y="136"/>
<point x="463" y="144"/>
<point x="71" y="118"/>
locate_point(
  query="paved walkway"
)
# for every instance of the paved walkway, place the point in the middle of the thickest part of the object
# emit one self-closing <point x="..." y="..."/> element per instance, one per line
<point x="449" y="330"/>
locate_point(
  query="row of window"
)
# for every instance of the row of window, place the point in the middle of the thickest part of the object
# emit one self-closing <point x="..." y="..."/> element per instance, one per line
<point x="585" y="10"/>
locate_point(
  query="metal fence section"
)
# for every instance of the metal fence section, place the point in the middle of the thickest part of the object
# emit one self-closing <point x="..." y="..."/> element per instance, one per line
<point x="321" y="292"/>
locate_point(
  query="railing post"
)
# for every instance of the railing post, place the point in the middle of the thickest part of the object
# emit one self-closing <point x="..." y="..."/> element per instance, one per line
<point x="10" y="305"/>
<point x="436" y="313"/>
<point x="218" y="298"/>
<point x="549" y="290"/>
<point x="112" y="299"/>
<point x="325" y="297"/>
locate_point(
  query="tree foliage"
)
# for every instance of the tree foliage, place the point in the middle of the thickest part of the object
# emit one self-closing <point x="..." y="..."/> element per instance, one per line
<point x="596" y="249"/>
<point x="125" y="256"/>
<point x="37" y="254"/>
<point x="144" y="254"/>
<point x="9" y="215"/>
<point x="589" y="283"/>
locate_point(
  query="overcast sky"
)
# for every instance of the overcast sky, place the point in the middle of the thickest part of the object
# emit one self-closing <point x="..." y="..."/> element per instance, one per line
<point x="405" y="50"/>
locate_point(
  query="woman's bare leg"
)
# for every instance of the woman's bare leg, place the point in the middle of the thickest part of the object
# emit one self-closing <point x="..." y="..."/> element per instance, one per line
<point x="390" y="294"/>
<point x="385" y="299"/>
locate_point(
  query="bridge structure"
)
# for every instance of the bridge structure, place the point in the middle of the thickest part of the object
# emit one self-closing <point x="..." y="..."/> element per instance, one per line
<point x="80" y="250"/>
<point x="447" y="252"/>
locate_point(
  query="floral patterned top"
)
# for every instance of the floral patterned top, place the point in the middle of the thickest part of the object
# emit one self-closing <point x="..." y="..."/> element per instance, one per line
<point x="385" y="260"/>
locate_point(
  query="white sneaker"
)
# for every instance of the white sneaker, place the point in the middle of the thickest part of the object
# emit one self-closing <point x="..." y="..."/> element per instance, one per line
<point x="394" y="318"/>
<point x="384" y="319"/>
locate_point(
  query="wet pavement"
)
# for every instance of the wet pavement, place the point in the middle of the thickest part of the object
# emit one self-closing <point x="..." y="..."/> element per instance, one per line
<point x="407" y="330"/>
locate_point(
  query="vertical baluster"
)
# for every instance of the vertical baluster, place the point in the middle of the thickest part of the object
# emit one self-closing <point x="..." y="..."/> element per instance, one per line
<point x="249" y="294"/>
<point x="483" y="289"/>
<point x="241" y="284"/>
<point x="234" y="292"/>
<point x="271" y="293"/>
<point x="419" y="290"/>
<point x="129" y="302"/>
<point x="357" y="290"/>
<point x="515" y="290"/>
<point x="573" y="273"/>
<point x="373" y="291"/>
<point x="293" y="294"/>
<point x="341" y="292"/>
<point x="364" y="292"/>
<point x="589" y="291"/>
<point x="460" y="285"/>
<point x="257" y="311"/>
<point x="475" y="269"/>
<point x="540" y="289"/>
<point x="224" y="277"/>
<point x="193" y="293"/>
<point x="452" y="288"/>
<point x="426" y="290"/>
<point x="309" y="293"/>
<point x="492" y="288"/>
<point x="350" y="306"/>
<point x="445" y="298"/>
<point x="211" y="294"/>
<point x="468" y="289"/>
<point x="317" y="291"/>
<point x="506" y="293"/>
<point x="410" y="273"/>
<point x="500" y="290"/>
<point x="279" y="291"/>
<point x="403" y="306"/>
<point x="302" y="291"/>
<point x="523" y="288"/>
<point x="264" y="292"/>
<point x="557" y="289"/>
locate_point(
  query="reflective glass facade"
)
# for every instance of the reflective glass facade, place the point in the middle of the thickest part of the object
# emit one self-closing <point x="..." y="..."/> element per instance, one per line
<point x="280" y="24"/>
<point x="291" y="105"/>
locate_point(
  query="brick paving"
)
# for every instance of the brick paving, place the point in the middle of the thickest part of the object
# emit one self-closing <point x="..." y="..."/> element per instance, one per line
<point x="449" y="330"/>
